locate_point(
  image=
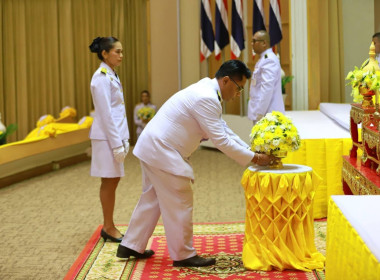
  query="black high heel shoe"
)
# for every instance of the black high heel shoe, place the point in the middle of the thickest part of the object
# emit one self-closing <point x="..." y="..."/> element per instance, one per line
<point x="106" y="236"/>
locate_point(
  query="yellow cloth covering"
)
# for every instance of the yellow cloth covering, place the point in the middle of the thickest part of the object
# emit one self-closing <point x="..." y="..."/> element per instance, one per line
<point x="347" y="256"/>
<point x="279" y="230"/>
<point x="52" y="130"/>
<point x="325" y="157"/>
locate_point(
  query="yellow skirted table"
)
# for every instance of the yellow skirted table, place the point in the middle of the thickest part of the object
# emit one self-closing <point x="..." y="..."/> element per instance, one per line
<point x="325" y="157"/>
<point x="353" y="244"/>
<point x="279" y="230"/>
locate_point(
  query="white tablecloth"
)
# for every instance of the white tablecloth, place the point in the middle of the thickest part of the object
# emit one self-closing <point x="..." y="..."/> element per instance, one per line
<point x="340" y="113"/>
<point x="310" y="125"/>
<point x="288" y="168"/>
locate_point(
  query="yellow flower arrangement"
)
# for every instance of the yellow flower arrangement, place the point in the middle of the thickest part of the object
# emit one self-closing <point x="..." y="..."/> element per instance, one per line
<point x="273" y="133"/>
<point x="146" y="113"/>
<point x="363" y="80"/>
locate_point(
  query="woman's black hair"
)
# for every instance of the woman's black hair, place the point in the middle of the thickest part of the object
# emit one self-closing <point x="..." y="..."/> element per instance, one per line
<point x="100" y="44"/>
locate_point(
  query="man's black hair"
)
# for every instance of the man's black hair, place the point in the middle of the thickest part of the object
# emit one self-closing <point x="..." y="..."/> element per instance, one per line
<point x="233" y="68"/>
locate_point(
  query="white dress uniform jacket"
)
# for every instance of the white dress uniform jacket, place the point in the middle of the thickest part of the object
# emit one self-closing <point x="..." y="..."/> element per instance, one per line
<point x="265" y="93"/>
<point x="110" y="121"/>
<point x="188" y="117"/>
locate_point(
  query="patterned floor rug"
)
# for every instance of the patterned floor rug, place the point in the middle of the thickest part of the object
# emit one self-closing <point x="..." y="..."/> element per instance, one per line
<point x="223" y="241"/>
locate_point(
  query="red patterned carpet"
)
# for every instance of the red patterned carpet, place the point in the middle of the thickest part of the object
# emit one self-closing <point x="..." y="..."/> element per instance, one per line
<point x="223" y="241"/>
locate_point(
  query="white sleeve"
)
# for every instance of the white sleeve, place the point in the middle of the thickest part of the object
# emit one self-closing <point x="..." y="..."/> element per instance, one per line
<point x="208" y="114"/>
<point x="101" y="95"/>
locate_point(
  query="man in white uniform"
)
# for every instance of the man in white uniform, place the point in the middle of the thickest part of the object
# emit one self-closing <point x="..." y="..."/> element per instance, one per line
<point x="164" y="147"/>
<point x="376" y="41"/>
<point x="265" y="93"/>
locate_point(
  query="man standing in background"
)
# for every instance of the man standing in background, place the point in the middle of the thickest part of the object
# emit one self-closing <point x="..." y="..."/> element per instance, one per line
<point x="265" y="90"/>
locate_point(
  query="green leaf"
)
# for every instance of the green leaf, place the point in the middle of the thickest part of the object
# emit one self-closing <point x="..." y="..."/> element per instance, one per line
<point x="284" y="81"/>
<point x="9" y="130"/>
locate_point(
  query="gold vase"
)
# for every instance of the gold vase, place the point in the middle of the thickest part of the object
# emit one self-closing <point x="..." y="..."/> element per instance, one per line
<point x="367" y="97"/>
<point x="277" y="164"/>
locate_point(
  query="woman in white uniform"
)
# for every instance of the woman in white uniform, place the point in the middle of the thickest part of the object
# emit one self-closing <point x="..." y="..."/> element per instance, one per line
<point x="109" y="132"/>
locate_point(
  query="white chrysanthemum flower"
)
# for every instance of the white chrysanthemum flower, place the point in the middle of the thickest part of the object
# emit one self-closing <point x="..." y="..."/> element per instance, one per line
<point x="276" y="142"/>
<point x="271" y="118"/>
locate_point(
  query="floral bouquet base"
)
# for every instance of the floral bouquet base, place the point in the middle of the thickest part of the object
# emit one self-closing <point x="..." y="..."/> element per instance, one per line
<point x="277" y="164"/>
<point x="275" y="134"/>
<point x="367" y="97"/>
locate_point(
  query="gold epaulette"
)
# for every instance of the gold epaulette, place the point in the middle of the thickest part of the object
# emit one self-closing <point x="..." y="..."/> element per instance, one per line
<point x="103" y="70"/>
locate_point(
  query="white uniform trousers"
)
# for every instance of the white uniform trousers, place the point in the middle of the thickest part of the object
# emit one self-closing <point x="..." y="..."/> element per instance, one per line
<point x="171" y="196"/>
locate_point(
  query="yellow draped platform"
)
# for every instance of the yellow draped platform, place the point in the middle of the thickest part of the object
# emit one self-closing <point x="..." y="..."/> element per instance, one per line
<point x="44" y="147"/>
<point x="325" y="157"/>
<point x="323" y="143"/>
<point x="279" y="229"/>
<point x="350" y="255"/>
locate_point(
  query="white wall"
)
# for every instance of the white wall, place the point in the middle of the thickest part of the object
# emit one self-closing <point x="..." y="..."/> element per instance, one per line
<point x="358" y="28"/>
<point x="190" y="41"/>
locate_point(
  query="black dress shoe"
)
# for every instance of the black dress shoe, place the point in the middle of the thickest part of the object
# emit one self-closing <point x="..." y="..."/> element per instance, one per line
<point x="106" y="236"/>
<point x="125" y="253"/>
<point x="195" y="261"/>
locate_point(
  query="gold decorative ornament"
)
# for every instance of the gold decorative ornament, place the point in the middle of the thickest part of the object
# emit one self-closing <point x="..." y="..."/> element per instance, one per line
<point x="372" y="66"/>
<point x="358" y="184"/>
<point x="277" y="164"/>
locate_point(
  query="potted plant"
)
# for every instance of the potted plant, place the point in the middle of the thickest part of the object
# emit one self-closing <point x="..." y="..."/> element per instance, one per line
<point x="284" y="81"/>
<point x="5" y="131"/>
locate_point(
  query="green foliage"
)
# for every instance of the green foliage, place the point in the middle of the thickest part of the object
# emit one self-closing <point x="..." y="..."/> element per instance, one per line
<point x="9" y="130"/>
<point x="284" y="81"/>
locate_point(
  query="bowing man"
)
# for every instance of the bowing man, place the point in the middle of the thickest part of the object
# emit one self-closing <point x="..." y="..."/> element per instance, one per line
<point x="164" y="147"/>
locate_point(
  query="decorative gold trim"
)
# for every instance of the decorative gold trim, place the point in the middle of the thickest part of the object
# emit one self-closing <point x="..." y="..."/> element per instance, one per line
<point x="359" y="145"/>
<point x="358" y="184"/>
<point x="370" y="137"/>
<point x="359" y="115"/>
<point x="356" y="114"/>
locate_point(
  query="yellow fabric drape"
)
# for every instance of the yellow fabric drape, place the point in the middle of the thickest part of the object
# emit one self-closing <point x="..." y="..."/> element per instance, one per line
<point x="52" y="130"/>
<point x="279" y="231"/>
<point x="347" y="256"/>
<point x="46" y="63"/>
<point x="325" y="157"/>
